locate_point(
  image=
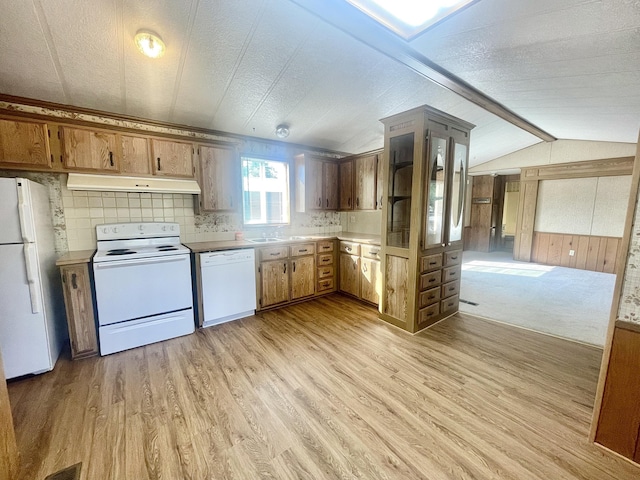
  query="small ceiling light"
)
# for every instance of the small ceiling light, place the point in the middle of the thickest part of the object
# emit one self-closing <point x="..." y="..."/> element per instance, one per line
<point x="149" y="44"/>
<point x="282" y="131"/>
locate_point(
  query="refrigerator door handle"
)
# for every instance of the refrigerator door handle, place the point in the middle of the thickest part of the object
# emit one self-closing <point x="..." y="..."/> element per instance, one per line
<point x="32" y="277"/>
<point x="26" y="218"/>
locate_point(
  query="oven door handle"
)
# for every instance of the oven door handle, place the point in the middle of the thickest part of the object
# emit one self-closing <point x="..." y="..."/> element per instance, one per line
<point x="142" y="261"/>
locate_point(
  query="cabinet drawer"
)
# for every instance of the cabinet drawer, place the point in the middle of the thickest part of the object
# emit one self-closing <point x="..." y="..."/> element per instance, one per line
<point x="431" y="279"/>
<point x="303" y="249"/>
<point x="451" y="288"/>
<point x="430" y="262"/>
<point x="324" y="272"/>
<point x="274" y="253"/>
<point x="326" y="284"/>
<point x="324" y="246"/>
<point x="452" y="258"/>
<point x="450" y="304"/>
<point x="428" y="315"/>
<point x="370" y="251"/>
<point x="350" y="248"/>
<point x="450" y="274"/>
<point x="325" y="259"/>
<point x="429" y="297"/>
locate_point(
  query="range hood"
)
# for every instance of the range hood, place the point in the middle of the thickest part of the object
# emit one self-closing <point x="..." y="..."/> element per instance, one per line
<point x="117" y="183"/>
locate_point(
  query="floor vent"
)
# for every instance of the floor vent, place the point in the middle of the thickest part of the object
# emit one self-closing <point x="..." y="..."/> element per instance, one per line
<point x="70" y="473"/>
<point x="469" y="303"/>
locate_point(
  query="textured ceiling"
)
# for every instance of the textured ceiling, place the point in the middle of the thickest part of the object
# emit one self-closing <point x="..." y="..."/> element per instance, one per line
<point x="571" y="67"/>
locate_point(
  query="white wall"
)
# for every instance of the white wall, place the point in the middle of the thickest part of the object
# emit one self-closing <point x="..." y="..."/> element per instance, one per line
<point x="560" y="151"/>
<point x="583" y="206"/>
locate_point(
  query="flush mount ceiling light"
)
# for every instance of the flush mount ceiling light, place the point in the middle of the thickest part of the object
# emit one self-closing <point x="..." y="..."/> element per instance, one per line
<point x="408" y="18"/>
<point x="282" y="131"/>
<point x="149" y="44"/>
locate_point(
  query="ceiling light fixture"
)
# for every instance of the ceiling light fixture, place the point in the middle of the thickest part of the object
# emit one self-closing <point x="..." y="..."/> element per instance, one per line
<point x="149" y="44"/>
<point x="282" y="131"/>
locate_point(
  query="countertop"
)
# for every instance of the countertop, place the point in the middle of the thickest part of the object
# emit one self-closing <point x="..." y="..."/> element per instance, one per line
<point x="233" y="244"/>
<point x="78" y="256"/>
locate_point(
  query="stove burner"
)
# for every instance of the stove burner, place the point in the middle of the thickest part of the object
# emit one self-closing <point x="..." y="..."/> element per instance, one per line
<point x="167" y="248"/>
<point x="120" y="251"/>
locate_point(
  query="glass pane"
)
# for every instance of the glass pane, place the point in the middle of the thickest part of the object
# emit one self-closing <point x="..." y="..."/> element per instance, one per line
<point x="458" y="184"/>
<point x="265" y="188"/>
<point x="399" y="197"/>
<point x="436" y="181"/>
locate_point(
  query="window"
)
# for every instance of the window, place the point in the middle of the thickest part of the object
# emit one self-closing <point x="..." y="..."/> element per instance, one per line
<point x="265" y="191"/>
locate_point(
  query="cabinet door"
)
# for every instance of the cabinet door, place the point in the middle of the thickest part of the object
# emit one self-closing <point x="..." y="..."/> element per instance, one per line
<point x="220" y="178"/>
<point x="24" y="144"/>
<point x="313" y="184"/>
<point x="436" y="193"/>
<point x="379" y="181"/>
<point x="172" y="159"/>
<point x="330" y="185"/>
<point x="365" y="173"/>
<point x="302" y="277"/>
<point x="89" y="149"/>
<point x="346" y="185"/>
<point x="135" y="155"/>
<point x="457" y="188"/>
<point x="79" y="305"/>
<point x="350" y="274"/>
<point x="274" y="282"/>
<point x="370" y="280"/>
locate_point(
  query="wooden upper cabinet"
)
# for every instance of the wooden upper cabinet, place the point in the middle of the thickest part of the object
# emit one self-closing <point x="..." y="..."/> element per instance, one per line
<point x="346" y="185"/>
<point x="330" y="185"/>
<point x="135" y="155"/>
<point x="24" y="144"/>
<point x="84" y="149"/>
<point x="365" y="182"/>
<point x="379" y="181"/>
<point x="315" y="192"/>
<point x="219" y="178"/>
<point x="172" y="158"/>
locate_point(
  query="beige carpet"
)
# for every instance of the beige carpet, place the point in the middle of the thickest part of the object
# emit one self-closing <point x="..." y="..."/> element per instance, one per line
<point x="566" y="302"/>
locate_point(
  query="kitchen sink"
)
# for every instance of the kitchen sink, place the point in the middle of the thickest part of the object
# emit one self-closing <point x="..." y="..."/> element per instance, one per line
<point x="264" y="240"/>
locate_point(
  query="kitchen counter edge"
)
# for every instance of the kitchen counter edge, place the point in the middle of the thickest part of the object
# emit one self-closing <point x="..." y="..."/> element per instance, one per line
<point x="75" y="257"/>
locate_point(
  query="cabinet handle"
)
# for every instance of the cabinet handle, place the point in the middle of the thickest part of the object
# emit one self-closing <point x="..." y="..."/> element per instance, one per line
<point x="327" y="203"/>
<point x="432" y="263"/>
<point x="285" y="268"/>
<point x="431" y="280"/>
<point x="111" y="158"/>
<point x="319" y="202"/>
<point x="159" y="168"/>
<point x="348" y="249"/>
<point x="349" y="202"/>
<point x="374" y="252"/>
<point x="74" y="281"/>
<point x="275" y="254"/>
<point x="451" y="289"/>
<point x="454" y="258"/>
<point x="364" y="267"/>
<point x="452" y="274"/>
<point x="302" y="250"/>
<point x="294" y="267"/>
<point x="357" y="201"/>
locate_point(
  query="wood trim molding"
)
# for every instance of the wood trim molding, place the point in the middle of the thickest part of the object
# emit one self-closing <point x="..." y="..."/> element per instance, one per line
<point x="523" y="241"/>
<point x="590" y="168"/>
<point x="623" y="252"/>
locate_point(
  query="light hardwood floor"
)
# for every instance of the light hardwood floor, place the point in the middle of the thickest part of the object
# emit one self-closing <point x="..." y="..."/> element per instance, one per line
<point x="321" y="390"/>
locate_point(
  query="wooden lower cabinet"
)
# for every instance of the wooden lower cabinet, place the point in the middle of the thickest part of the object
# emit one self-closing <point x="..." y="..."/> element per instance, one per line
<point x="394" y="302"/>
<point x="360" y="274"/>
<point x="274" y="283"/>
<point x="325" y="267"/>
<point x="350" y="274"/>
<point x="78" y="301"/>
<point x="302" y="277"/>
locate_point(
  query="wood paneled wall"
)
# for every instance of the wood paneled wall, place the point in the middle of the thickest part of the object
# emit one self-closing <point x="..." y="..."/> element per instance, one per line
<point x="598" y="254"/>
<point x="619" y="425"/>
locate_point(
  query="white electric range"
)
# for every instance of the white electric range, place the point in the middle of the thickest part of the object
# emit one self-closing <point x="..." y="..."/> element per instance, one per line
<point x="143" y="285"/>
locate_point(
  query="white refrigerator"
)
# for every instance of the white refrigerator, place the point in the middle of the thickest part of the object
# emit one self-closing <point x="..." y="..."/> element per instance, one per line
<point x="32" y="320"/>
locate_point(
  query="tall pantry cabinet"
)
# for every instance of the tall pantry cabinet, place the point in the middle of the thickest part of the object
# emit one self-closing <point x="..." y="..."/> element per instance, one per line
<point x="425" y="177"/>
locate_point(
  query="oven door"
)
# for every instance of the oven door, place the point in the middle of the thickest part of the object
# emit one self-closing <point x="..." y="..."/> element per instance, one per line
<point x="137" y="288"/>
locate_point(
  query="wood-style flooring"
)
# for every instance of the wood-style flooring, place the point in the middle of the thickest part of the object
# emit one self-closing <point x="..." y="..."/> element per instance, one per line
<point x="321" y="390"/>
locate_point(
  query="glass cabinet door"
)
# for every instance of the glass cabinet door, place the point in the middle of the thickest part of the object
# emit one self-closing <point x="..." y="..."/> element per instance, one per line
<point x="399" y="196"/>
<point x="458" y="189"/>
<point x="435" y="184"/>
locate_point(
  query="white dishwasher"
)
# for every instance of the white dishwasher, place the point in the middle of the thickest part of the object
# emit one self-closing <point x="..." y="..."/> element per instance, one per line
<point x="228" y="285"/>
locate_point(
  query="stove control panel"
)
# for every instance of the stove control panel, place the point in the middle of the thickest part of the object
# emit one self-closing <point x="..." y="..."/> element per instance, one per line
<point x="118" y="231"/>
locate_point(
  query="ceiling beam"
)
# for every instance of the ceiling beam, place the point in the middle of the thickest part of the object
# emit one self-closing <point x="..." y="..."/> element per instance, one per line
<point x="358" y="25"/>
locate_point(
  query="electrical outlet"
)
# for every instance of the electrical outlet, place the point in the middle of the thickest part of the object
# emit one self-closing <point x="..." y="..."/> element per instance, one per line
<point x="572" y="253"/>
<point x="352" y="219"/>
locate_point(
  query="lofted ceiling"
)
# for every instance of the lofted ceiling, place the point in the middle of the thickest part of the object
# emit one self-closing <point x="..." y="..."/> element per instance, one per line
<point x="570" y="67"/>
